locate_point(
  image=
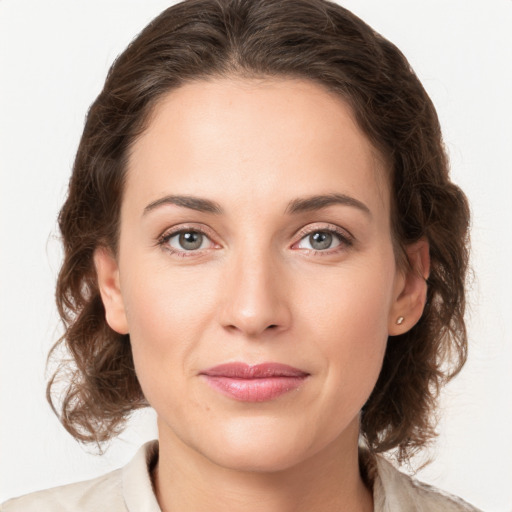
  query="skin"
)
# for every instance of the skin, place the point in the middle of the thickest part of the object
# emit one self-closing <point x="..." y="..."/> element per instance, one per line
<point x="256" y="291"/>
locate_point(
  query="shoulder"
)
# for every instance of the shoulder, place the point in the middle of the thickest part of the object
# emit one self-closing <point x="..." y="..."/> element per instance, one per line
<point x="397" y="492"/>
<point x="102" y="493"/>
<point x="128" y="488"/>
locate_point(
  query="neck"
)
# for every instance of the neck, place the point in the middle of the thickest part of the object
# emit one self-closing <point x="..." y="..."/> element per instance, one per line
<point x="328" y="481"/>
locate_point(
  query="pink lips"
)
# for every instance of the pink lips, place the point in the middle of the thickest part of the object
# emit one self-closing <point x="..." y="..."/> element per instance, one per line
<point x="257" y="383"/>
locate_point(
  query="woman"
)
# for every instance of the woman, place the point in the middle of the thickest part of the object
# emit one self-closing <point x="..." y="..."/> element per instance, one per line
<point x="257" y="246"/>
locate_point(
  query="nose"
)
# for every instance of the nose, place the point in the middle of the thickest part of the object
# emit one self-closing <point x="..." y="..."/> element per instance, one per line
<point x="255" y="300"/>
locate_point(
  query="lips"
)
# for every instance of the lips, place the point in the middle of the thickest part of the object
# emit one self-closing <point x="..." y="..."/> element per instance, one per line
<point x="258" y="383"/>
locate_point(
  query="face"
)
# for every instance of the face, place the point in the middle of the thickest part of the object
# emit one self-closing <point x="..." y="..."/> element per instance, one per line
<point x="255" y="272"/>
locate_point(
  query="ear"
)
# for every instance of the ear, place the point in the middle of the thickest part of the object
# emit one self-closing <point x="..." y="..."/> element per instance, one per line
<point x="410" y="290"/>
<point x="107" y="271"/>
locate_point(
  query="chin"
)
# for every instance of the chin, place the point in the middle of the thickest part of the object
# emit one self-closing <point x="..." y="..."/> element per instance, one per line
<point x="256" y="447"/>
<point x="256" y="459"/>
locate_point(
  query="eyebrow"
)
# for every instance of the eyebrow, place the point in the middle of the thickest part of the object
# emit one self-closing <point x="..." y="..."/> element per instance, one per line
<point x="193" y="203"/>
<point x="295" y="206"/>
<point x="318" y="202"/>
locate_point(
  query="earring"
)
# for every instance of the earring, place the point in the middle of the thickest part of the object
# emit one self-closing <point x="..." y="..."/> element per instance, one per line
<point x="400" y="320"/>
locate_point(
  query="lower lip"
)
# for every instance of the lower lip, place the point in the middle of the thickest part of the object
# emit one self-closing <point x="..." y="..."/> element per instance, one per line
<point x="254" y="390"/>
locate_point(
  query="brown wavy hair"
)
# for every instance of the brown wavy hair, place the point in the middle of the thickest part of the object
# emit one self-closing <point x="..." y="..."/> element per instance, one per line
<point x="315" y="40"/>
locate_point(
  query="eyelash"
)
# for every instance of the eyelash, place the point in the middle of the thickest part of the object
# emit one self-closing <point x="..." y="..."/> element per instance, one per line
<point x="346" y="240"/>
<point x="163" y="240"/>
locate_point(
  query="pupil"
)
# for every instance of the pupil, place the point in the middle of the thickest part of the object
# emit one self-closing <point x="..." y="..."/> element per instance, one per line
<point x="191" y="240"/>
<point x="320" y="240"/>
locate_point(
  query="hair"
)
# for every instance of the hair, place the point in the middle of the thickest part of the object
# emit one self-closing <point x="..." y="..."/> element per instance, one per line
<point x="316" y="40"/>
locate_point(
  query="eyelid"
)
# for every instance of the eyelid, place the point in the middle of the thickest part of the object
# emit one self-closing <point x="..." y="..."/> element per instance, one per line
<point x="347" y="239"/>
<point x="192" y="226"/>
<point x="180" y="228"/>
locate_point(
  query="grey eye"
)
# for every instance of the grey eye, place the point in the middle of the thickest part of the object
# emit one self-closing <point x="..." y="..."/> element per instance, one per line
<point x="188" y="241"/>
<point x="320" y="240"/>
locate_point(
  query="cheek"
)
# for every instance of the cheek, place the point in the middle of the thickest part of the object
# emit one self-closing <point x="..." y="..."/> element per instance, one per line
<point x="165" y="320"/>
<point x="351" y="303"/>
<point x="162" y="299"/>
<point x="350" y="323"/>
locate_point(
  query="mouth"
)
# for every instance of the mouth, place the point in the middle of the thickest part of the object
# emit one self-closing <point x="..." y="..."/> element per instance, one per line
<point x="258" y="383"/>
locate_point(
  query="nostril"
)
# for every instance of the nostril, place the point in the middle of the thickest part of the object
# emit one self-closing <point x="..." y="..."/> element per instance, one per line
<point x="273" y="326"/>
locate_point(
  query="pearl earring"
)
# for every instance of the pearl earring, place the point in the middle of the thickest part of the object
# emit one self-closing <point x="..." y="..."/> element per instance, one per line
<point x="400" y="320"/>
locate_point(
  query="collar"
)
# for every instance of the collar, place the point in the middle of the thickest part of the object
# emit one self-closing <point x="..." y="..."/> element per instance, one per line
<point x="138" y="492"/>
<point x="393" y="491"/>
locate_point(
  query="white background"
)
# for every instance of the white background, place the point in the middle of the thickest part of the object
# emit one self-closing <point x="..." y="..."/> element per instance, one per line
<point x="53" y="59"/>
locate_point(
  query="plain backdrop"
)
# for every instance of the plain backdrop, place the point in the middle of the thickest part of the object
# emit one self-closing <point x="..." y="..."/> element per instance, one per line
<point x="54" y="56"/>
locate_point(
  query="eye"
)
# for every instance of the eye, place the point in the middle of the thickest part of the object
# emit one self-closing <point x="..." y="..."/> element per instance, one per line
<point x="325" y="240"/>
<point x="186" y="241"/>
<point x="320" y="241"/>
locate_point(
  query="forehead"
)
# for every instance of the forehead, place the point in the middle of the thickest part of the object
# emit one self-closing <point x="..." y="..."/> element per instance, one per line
<point x="225" y="136"/>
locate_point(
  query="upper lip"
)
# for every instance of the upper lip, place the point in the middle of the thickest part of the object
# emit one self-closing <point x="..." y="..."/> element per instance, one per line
<point x="238" y="370"/>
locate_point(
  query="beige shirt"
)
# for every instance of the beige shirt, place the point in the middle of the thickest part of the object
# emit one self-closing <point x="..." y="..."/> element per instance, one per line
<point x="129" y="489"/>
